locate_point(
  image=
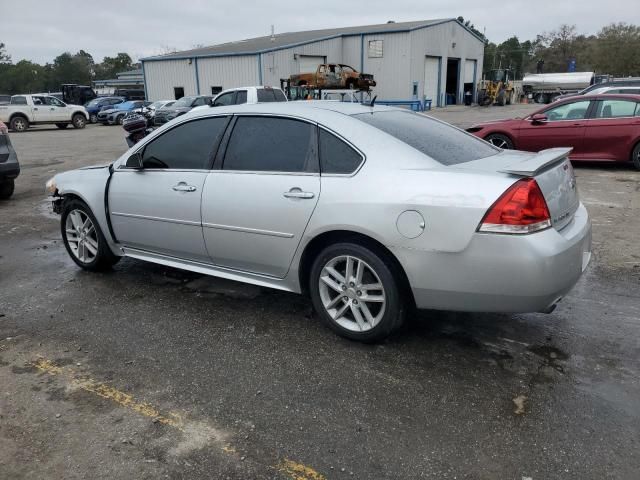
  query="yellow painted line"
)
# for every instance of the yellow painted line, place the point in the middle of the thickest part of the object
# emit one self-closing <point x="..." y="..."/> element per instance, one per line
<point x="294" y="470"/>
<point x="298" y="471"/>
<point x="110" y="393"/>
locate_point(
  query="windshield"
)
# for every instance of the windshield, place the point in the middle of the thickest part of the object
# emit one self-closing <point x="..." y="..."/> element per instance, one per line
<point x="125" y="105"/>
<point x="93" y="103"/>
<point x="436" y="139"/>
<point x="184" y="102"/>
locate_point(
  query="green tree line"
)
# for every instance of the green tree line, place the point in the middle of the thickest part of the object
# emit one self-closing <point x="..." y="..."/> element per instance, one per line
<point x="614" y="50"/>
<point x="30" y="77"/>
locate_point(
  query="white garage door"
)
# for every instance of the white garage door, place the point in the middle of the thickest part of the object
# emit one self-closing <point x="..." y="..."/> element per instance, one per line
<point x="469" y="68"/>
<point x="309" y="63"/>
<point x="431" y="75"/>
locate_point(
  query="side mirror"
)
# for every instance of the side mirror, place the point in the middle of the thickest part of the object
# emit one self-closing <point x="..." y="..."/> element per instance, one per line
<point x="135" y="161"/>
<point x="538" y="118"/>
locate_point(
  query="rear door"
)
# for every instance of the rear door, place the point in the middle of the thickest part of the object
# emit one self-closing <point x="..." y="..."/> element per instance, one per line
<point x="157" y="209"/>
<point x="612" y="130"/>
<point x="565" y="127"/>
<point x="255" y="209"/>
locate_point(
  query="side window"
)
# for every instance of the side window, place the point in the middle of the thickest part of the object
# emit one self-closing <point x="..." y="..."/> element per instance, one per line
<point x="241" y="97"/>
<point x="568" y="111"/>
<point x="266" y="95"/>
<point x="270" y="144"/>
<point x="54" y="102"/>
<point x="225" y="99"/>
<point x="187" y="146"/>
<point x="615" y="108"/>
<point x="38" y="100"/>
<point x="336" y="156"/>
<point x="199" y="102"/>
<point x="18" y="100"/>
<point x="280" y="97"/>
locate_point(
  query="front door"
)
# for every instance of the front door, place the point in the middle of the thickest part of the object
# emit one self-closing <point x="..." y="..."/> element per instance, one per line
<point x="257" y="207"/>
<point x="157" y="208"/>
<point x="564" y="127"/>
<point x="41" y="111"/>
<point x="58" y="110"/>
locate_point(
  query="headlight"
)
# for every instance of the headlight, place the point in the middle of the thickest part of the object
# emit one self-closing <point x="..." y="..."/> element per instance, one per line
<point x="51" y="186"/>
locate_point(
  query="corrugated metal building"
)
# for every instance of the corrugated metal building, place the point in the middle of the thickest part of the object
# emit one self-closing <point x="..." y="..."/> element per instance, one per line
<point x="436" y="59"/>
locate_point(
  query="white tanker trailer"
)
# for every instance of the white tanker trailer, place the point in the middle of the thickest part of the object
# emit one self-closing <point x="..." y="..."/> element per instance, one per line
<point x="544" y="87"/>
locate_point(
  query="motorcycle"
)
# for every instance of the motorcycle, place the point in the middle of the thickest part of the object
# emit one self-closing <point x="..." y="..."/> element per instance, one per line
<point x="138" y="124"/>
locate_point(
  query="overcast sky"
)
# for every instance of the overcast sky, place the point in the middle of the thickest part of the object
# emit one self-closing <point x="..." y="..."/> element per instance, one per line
<point x="41" y="30"/>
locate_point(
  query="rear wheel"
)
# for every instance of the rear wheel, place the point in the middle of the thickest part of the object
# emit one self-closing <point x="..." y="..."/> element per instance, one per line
<point x="356" y="292"/>
<point x="19" y="124"/>
<point x="79" y="121"/>
<point x="6" y="188"/>
<point x="83" y="238"/>
<point x="500" y="141"/>
<point x="62" y="126"/>
<point x="635" y="157"/>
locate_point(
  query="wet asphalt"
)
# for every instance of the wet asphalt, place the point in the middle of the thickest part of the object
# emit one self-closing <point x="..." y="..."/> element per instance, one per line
<point x="152" y="372"/>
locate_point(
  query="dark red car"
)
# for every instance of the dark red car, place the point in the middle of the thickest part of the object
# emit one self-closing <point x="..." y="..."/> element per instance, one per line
<point x="598" y="127"/>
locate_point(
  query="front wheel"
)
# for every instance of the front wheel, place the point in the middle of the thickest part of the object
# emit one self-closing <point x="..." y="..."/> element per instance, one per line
<point x="79" y="121"/>
<point x="120" y="119"/>
<point x="500" y="141"/>
<point x="356" y="292"/>
<point x="6" y="188"/>
<point x="93" y="118"/>
<point x="83" y="238"/>
<point x="635" y="157"/>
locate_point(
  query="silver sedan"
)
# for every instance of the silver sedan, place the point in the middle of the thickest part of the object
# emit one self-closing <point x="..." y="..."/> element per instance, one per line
<point x="368" y="210"/>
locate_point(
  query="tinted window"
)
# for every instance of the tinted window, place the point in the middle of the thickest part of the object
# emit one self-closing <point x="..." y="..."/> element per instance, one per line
<point x="438" y="140"/>
<point x="199" y="101"/>
<point x="280" y="97"/>
<point x="18" y="100"/>
<point x="241" y="97"/>
<point x="267" y="95"/>
<point x="271" y="144"/>
<point x="615" y="108"/>
<point x="189" y="145"/>
<point x="224" y="99"/>
<point x="568" y="111"/>
<point x="336" y="156"/>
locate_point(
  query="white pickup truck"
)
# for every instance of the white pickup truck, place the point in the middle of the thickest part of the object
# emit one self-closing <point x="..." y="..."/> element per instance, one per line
<point x="26" y="110"/>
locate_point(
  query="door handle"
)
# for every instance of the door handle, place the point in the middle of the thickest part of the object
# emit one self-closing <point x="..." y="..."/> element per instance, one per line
<point x="183" y="187"/>
<point x="298" y="193"/>
<point x="36" y="108"/>
<point x="52" y="109"/>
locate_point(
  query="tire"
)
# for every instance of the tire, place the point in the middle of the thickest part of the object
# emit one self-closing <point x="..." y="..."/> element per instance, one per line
<point x="19" y="123"/>
<point x="483" y="99"/>
<point x="62" y="126"/>
<point x="351" y="84"/>
<point x="343" y="306"/>
<point x="84" y="242"/>
<point x="635" y="156"/>
<point x="6" y="189"/>
<point x="93" y="118"/>
<point x="510" y="98"/>
<point x="79" y="121"/>
<point x="501" y="99"/>
<point x="499" y="140"/>
<point x="119" y="119"/>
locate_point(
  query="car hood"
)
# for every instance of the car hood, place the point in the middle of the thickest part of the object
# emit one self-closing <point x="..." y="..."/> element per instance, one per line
<point x="493" y="123"/>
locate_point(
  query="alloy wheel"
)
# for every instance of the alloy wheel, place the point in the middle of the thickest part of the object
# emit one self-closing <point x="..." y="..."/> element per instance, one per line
<point x="499" y="142"/>
<point x="352" y="293"/>
<point x="82" y="236"/>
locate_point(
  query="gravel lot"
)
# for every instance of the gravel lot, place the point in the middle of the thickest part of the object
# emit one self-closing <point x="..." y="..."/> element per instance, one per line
<point x="151" y="372"/>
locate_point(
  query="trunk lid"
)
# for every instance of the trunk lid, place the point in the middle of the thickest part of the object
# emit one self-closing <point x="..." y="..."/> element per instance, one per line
<point x="552" y="171"/>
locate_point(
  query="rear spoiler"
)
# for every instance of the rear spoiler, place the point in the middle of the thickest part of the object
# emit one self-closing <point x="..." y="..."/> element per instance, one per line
<point x="534" y="165"/>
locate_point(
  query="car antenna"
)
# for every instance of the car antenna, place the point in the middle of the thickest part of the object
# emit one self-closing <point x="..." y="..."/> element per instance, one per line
<point x="373" y="102"/>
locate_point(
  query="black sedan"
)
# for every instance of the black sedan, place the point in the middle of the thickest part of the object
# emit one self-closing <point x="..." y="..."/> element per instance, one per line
<point x="181" y="107"/>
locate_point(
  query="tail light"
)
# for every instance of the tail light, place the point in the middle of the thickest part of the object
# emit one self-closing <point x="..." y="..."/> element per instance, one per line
<point x="521" y="209"/>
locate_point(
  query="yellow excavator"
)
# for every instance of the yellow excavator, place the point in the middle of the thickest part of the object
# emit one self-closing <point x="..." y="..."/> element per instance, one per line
<point x="496" y="88"/>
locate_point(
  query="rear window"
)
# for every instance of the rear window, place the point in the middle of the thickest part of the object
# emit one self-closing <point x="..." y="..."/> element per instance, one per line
<point x="270" y="95"/>
<point x="18" y="100"/>
<point x="440" y="141"/>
